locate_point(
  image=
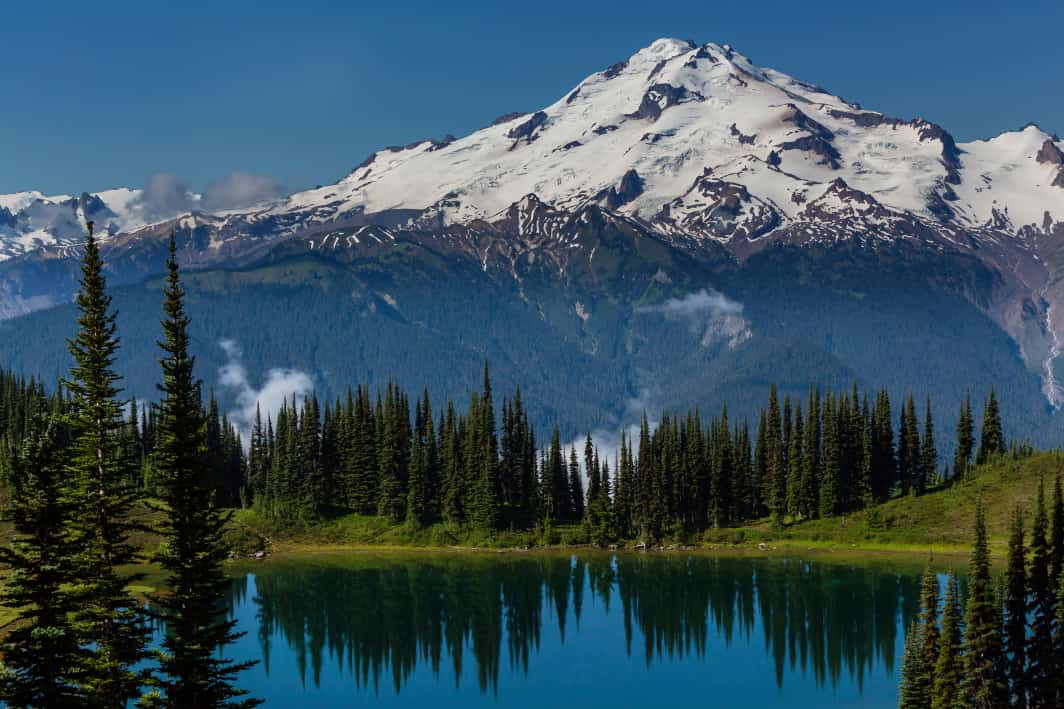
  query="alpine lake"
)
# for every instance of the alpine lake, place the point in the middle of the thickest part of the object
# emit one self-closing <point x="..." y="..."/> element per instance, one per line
<point x="585" y="629"/>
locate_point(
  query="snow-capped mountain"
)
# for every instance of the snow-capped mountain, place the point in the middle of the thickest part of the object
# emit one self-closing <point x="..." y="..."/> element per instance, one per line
<point x="692" y="140"/>
<point x="691" y="146"/>
<point x="679" y="130"/>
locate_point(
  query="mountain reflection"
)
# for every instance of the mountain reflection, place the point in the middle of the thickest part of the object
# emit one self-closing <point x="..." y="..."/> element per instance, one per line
<point x="376" y="616"/>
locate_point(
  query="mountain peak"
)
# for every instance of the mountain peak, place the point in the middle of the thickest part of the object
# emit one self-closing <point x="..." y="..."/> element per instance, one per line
<point x="664" y="48"/>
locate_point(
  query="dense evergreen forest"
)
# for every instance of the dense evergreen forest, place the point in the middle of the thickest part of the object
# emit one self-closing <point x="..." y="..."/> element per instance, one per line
<point x="369" y="453"/>
<point x="1003" y="644"/>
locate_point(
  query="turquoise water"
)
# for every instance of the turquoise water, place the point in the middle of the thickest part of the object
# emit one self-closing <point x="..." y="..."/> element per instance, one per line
<point x="590" y="630"/>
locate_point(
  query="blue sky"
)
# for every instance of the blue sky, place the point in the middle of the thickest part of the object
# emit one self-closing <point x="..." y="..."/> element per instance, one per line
<point x="96" y="95"/>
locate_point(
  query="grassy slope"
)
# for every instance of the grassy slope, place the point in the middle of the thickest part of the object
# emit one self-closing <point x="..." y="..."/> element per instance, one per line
<point x="940" y="520"/>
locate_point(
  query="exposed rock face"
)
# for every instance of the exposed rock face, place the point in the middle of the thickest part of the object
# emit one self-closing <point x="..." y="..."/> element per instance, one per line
<point x="508" y="117"/>
<point x="615" y="69"/>
<point x="527" y="128"/>
<point x="630" y="187"/>
<point x="1050" y="153"/>
<point x="660" y="97"/>
<point x="825" y="151"/>
<point x="718" y="210"/>
<point x="743" y="139"/>
<point x="817" y="141"/>
<point x="798" y="118"/>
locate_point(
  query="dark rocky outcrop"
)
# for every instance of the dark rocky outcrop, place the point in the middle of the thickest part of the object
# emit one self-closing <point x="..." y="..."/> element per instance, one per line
<point x="1050" y="153"/>
<point x="936" y="204"/>
<point x="507" y="117"/>
<point x="951" y="154"/>
<point x="442" y="143"/>
<point x="615" y="69"/>
<point x="826" y="152"/>
<point x="743" y="139"/>
<point x="657" y="69"/>
<point x="801" y="120"/>
<point x="526" y="129"/>
<point x="660" y="97"/>
<point x="630" y="187"/>
<point x="717" y="209"/>
<point x="602" y="130"/>
<point x="702" y="53"/>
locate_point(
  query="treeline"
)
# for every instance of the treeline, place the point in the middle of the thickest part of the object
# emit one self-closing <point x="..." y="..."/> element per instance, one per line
<point x="370" y="454"/>
<point x="1002" y="646"/>
<point x="25" y="399"/>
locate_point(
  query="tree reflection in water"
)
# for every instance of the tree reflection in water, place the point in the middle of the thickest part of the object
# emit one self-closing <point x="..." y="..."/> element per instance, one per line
<point x="379" y="615"/>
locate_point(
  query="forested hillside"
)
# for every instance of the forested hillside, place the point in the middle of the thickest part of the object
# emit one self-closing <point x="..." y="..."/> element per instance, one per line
<point x="597" y="350"/>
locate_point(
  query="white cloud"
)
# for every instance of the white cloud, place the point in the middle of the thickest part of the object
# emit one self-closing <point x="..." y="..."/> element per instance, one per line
<point x="695" y="306"/>
<point x="164" y="196"/>
<point x="279" y="385"/>
<point x="240" y="189"/>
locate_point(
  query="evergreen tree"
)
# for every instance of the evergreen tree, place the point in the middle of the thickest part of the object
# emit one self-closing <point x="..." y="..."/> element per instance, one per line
<point x="984" y="685"/>
<point x="106" y="614"/>
<point x="576" y="488"/>
<point x="922" y="648"/>
<point x="928" y="454"/>
<point x="950" y="663"/>
<point x="1056" y="535"/>
<point x="43" y="659"/>
<point x="809" y="500"/>
<point x="391" y="500"/>
<point x="795" y="462"/>
<point x="832" y="463"/>
<point x="483" y="508"/>
<point x="1041" y="662"/>
<point x="594" y="483"/>
<point x="908" y="448"/>
<point x="776" y="494"/>
<point x="1016" y="613"/>
<point x="929" y="634"/>
<point x="883" y="460"/>
<point x="965" y="439"/>
<point x="991" y="439"/>
<point x="556" y="482"/>
<point x="193" y="672"/>
<point x="911" y="692"/>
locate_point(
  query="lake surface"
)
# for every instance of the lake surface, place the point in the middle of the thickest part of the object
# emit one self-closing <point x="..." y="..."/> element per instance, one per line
<point x="539" y="630"/>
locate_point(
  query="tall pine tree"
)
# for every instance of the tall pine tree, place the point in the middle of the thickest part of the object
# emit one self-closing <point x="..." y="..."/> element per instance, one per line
<point x="984" y="684"/>
<point x="107" y="615"/>
<point x="194" y="673"/>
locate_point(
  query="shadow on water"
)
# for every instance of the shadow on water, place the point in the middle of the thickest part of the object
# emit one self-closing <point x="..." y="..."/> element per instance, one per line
<point x="376" y="618"/>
